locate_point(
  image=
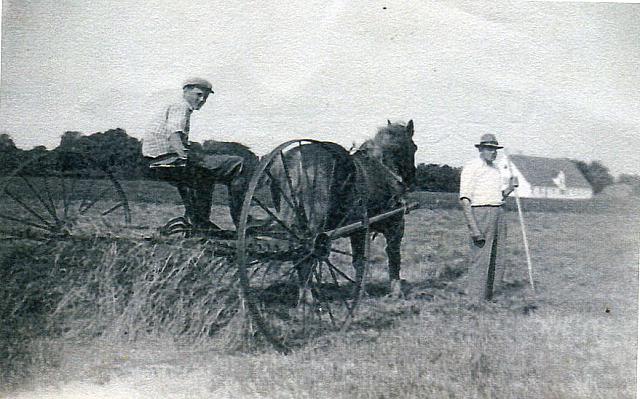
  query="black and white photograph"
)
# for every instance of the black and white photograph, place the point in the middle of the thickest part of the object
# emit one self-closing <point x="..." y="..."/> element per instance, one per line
<point x="319" y="199"/>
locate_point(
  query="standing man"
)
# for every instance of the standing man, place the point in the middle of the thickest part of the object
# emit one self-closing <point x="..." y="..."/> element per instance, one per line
<point x="166" y="145"/>
<point x="483" y="190"/>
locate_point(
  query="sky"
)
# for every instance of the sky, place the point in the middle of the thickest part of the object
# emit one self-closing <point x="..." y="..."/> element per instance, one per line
<point x="548" y="79"/>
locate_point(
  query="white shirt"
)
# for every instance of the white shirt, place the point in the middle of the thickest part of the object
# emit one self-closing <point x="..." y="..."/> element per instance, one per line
<point x="173" y="118"/>
<point x="482" y="183"/>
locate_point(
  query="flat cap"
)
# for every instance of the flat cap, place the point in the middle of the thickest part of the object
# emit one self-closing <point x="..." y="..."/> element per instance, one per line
<point x="198" y="82"/>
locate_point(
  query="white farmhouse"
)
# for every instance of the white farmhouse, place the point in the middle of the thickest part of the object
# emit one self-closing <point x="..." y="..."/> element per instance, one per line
<point x="549" y="178"/>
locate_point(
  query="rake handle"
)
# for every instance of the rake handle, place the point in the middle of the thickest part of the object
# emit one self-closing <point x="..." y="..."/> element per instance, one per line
<point x="522" y="227"/>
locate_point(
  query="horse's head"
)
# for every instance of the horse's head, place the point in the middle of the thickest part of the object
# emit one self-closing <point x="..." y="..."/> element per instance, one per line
<point x="394" y="144"/>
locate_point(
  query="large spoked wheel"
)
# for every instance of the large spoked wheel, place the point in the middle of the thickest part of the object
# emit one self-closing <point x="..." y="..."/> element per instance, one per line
<point x="61" y="194"/>
<point x="297" y="278"/>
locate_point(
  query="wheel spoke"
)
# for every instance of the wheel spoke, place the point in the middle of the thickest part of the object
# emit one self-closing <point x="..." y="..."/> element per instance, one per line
<point x="50" y="198"/>
<point x="284" y="195"/>
<point x="295" y="266"/>
<point x="280" y="222"/>
<point x="317" y="272"/>
<point x="342" y="221"/>
<point x="312" y="196"/>
<point x="338" y="251"/>
<point x="299" y="209"/>
<point x="332" y="270"/>
<point x="340" y="272"/>
<point x="49" y="209"/>
<point x="351" y="208"/>
<point x="292" y="293"/>
<point x="331" y="180"/>
<point x="28" y="209"/>
<point x="65" y="199"/>
<point x="74" y="183"/>
<point x="302" y="298"/>
<point x="25" y="222"/>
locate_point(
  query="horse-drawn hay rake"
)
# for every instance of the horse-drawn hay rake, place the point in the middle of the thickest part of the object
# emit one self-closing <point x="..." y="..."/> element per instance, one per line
<point x="293" y="275"/>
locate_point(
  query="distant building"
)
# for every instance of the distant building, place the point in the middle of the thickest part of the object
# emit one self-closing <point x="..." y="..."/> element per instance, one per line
<point x="549" y="178"/>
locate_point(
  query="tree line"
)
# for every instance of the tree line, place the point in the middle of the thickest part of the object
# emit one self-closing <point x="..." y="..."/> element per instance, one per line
<point x="120" y="153"/>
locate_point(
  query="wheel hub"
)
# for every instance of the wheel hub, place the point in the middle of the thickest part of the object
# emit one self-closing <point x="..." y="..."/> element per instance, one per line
<point x="322" y="246"/>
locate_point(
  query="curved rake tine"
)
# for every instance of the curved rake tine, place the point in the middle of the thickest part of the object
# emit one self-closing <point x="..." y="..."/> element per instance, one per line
<point x="261" y="263"/>
<point x="28" y="209"/>
<point x="105" y="213"/>
<point x="257" y="269"/>
<point x="280" y="222"/>
<point x="224" y="269"/>
<point x="89" y="204"/>
<point x="299" y="208"/>
<point x="231" y="306"/>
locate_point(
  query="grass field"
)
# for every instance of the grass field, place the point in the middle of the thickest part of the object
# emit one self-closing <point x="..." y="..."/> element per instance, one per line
<point x="119" y="319"/>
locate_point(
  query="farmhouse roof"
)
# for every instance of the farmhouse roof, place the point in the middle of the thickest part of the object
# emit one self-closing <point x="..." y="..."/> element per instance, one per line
<point x="540" y="171"/>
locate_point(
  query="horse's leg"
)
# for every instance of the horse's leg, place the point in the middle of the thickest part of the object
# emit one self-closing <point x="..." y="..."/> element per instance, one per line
<point x="393" y="235"/>
<point x="358" y="241"/>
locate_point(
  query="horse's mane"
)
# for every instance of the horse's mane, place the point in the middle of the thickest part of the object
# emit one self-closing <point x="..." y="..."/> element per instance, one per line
<point x="381" y="142"/>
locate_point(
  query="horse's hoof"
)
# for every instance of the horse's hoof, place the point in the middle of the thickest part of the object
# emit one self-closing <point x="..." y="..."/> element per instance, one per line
<point x="395" y="289"/>
<point x="305" y="296"/>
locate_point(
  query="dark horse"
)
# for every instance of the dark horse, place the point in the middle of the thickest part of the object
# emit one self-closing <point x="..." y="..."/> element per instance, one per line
<point x="336" y="187"/>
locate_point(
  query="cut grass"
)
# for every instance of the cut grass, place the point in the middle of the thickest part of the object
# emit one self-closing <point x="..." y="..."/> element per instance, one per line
<point x="580" y="342"/>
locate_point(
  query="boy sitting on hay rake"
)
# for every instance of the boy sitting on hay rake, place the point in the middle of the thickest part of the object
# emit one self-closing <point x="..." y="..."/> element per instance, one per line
<point x="194" y="173"/>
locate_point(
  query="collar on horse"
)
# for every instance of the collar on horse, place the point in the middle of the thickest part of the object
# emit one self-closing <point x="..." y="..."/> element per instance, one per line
<point x="367" y="153"/>
<point x="393" y="174"/>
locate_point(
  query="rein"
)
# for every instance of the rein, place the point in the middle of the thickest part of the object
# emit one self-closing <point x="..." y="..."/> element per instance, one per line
<point x="393" y="174"/>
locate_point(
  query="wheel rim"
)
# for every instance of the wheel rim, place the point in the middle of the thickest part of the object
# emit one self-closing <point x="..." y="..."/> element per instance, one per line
<point x="296" y="280"/>
<point x="60" y="194"/>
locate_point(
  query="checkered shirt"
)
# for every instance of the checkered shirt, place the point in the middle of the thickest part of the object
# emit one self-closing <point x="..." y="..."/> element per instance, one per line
<point x="173" y="118"/>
